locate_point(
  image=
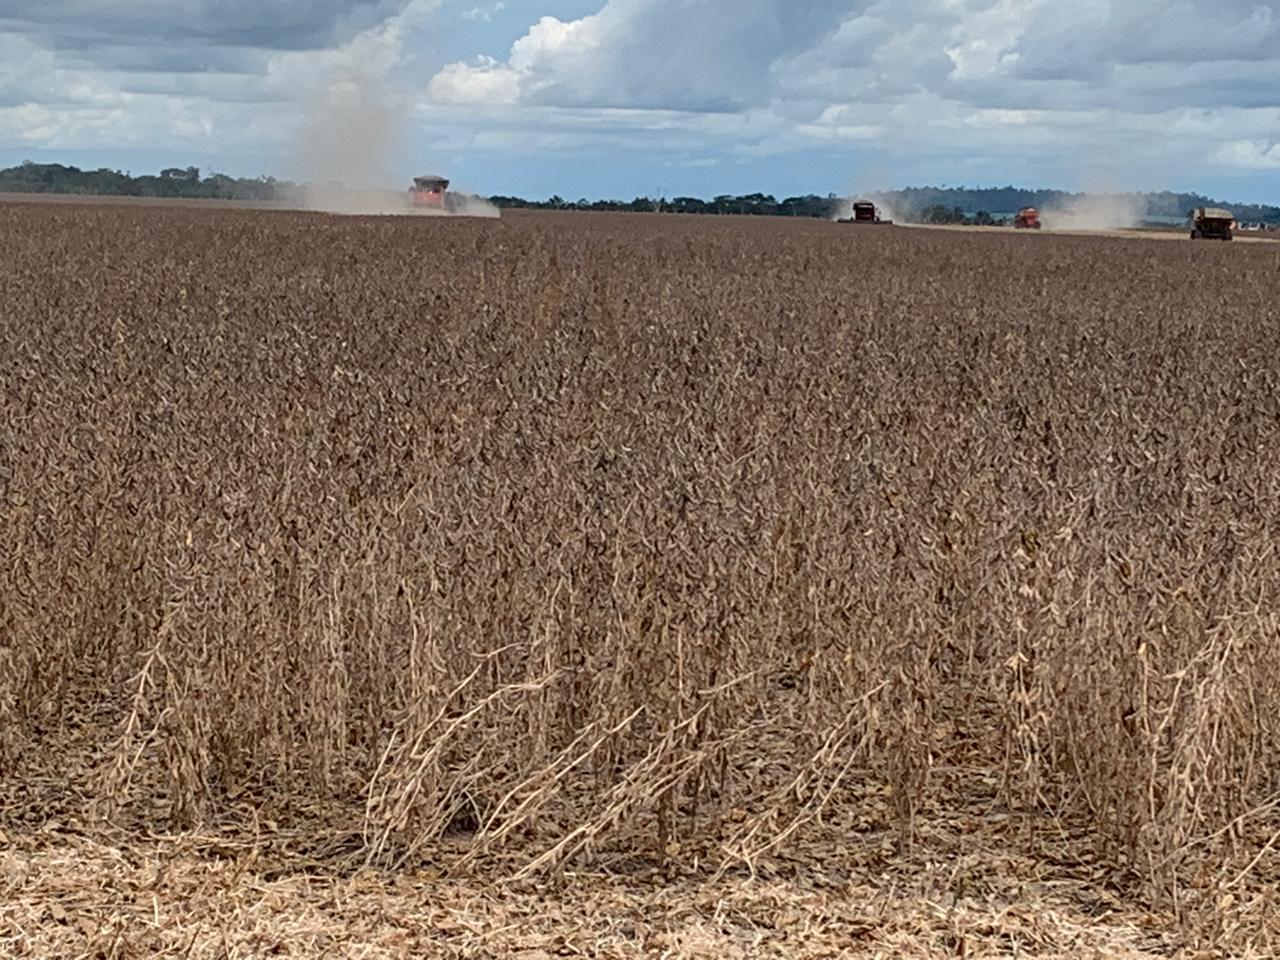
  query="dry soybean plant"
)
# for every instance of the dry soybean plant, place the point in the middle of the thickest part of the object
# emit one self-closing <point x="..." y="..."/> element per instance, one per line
<point x="561" y="535"/>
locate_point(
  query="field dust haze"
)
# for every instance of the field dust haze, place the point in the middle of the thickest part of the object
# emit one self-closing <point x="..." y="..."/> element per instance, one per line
<point x="1095" y="211"/>
<point x="470" y="205"/>
<point x="842" y="209"/>
<point x="353" y="148"/>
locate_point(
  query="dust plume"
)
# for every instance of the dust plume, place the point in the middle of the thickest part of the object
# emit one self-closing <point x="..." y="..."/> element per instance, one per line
<point x="842" y="209"/>
<point x="871" y="182"/>
<point x="460" y="204"/>
<point x="1095" y="211"/>
<point x="346" y="149"/>
<point x="352" y="151"/>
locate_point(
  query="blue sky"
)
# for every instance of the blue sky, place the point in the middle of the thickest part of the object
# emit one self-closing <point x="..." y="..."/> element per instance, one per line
<point x="589" y="98"/>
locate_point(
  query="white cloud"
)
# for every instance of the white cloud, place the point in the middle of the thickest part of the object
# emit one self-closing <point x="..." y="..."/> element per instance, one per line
<point x="64" y="99"/>
<point x="484" y="14"/>
<point x="1143" y="55"/>
<point x="1114" y="85"/>
<point x="840" y="123"/>
<point x="486" y="81"/>
<point x="1249" y="155"/>
<point x="653" y="54"/>
<point x="1149" y="85"/>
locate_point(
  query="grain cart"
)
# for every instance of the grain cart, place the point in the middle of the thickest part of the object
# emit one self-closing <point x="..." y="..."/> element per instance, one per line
<point x="1211" y="223"/>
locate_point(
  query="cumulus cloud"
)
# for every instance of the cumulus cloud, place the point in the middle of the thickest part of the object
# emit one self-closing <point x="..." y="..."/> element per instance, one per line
<point x="182" y="81"/>
<point x="1160" y="86"/>
<point x="649" y="54"/>
<point x="1116" y="83"/>
<point x="1249" y="154"/>
<point x="486" y="81"/>
<point x="1091" y="38"/>
<point x="484" y="14"/>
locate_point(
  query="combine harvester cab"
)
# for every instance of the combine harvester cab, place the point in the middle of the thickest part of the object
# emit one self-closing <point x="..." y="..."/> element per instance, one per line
<point x="1028" y="218"/>
<point x="429" y="191"/>
<point x="864" y="211"/>
<point x="1210" y="223"/>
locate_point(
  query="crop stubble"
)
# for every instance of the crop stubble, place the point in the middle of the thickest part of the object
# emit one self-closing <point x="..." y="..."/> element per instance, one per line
<point x="570" y="541"/>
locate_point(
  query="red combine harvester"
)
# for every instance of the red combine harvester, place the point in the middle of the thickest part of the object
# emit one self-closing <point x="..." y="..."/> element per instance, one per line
<point x="429" y="191"/>
<point x="864" y="211"/>
<point x="1028" y="218"/>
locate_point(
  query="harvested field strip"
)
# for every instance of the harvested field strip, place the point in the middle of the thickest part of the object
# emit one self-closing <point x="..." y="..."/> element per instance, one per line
<point x="203" y="896"/>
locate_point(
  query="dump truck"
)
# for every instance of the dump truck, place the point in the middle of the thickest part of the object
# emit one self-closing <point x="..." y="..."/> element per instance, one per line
<point x="1028" y="218"/>
<point x="864" y="211"/>
<point x="1212" y="223"/>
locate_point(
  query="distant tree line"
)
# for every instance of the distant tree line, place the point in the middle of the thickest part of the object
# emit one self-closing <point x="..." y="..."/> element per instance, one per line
<point x="913" y="202"/>
<point x="758" y="204"/>
<point x="941" y="213"/>
<point x="751" y="204"/>
<point x="941" y="205"/>
<point x="173" y="182"/>
<point x="958" y="205"/>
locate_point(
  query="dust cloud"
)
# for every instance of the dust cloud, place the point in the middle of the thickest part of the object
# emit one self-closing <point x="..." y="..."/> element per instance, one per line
<point x="872" y="181"/>
<point x="458" y="204"/>
<point x="353" y="146"/>
<point x="842" y="209"/>
<point x="1095" y="211"/>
